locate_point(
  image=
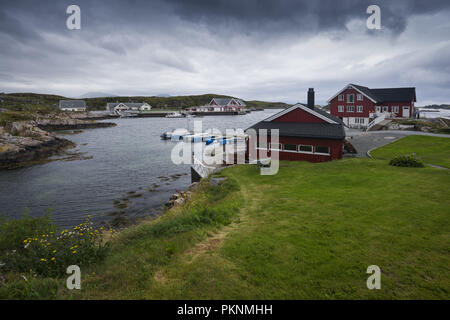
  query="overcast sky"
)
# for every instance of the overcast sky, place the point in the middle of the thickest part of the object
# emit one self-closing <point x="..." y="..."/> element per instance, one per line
<point x="269" y="50"/>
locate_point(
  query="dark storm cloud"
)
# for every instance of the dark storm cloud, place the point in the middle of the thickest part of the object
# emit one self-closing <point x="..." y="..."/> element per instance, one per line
<point x="274" y="49"/>
<point x="301" y="16"/>
<point x="21" y="19"/>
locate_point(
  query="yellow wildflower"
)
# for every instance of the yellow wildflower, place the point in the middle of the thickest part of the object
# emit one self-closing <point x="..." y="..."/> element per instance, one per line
<point x="74" y="251"/>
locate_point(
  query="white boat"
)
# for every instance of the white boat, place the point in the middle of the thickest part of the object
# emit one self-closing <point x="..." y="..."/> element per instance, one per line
<point x="199" y="137"/>
<point x="175" y="115"/>
<point x="178" y="134"/>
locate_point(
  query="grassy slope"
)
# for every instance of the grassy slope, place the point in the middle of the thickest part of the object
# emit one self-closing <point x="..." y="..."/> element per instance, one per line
<point x="433" y="150"/>
<point x="308" y="232"/>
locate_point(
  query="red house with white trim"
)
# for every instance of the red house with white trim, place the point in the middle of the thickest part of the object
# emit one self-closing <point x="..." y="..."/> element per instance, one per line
<point x="306" y="133"/>
<point x="357" y="106"/>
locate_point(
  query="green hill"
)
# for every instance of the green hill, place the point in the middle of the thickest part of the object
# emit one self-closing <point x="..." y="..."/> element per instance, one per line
<point x="33" y="101"/>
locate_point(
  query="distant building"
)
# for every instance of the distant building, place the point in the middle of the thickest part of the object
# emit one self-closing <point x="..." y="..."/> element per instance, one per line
<point x="221" y="105"/>
<point x="306" y="133"/>
<point x="127" y="106"/>
<point x="72" y="105"/>
<point x="357" y="106"/>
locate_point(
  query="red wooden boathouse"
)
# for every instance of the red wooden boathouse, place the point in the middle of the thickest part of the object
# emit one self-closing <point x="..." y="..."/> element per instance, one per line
<point x="306" y="133"/>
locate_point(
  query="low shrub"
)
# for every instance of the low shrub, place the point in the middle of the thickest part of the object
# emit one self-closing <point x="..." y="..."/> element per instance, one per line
<point x="36" y="246"/>
<point x="406" y="161"/>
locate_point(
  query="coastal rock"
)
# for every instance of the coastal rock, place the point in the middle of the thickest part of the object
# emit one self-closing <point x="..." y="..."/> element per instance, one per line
<point x="23" y="142"/>
<point x="178" y="198"/>
<point x="69" y="123"/>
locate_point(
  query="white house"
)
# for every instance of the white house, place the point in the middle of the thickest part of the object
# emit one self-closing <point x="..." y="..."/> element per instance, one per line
<point x="72" y="105"/>
<point x="221" y="105"/>
<point x="127" y="106"/>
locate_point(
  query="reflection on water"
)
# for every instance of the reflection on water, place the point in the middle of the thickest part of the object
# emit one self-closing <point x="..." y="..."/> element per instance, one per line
<point x="119" y="170"/>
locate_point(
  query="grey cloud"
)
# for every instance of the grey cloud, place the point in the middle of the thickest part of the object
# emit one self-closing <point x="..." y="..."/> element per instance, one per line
<point x="301" y="16"/>
<point x="247" y="48"/>
<point x="14" y="28"/>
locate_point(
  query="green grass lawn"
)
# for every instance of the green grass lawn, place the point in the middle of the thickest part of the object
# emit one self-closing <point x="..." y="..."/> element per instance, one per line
<point x="432" y="150"/>
<point x="309" y="232"/>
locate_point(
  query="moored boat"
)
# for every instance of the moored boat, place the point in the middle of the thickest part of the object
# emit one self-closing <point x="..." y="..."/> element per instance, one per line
<point x="175" y="115"/>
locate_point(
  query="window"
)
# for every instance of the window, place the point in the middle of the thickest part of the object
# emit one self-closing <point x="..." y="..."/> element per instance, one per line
<point x="395" y="109"/>
<point x="322" y="150"/>
<point x="350" y="98"/>
<point x="385" y="108"/>
<point x="305" y="149"/>
<point x="341" y="97"/>
<point x="340" y="108"/>
<point x="290" y="147"/>
<point x="359" y="109"/>
<point x="350" y="108"/>
<point x="275" y="146"/>
<point x="359" y="97"/>
<point x="359" y="120"/>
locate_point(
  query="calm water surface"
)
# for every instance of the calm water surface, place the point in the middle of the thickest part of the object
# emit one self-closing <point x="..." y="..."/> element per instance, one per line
<point x="126" y="168"/>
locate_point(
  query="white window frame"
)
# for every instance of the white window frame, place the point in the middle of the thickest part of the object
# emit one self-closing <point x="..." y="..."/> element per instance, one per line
<point x="359" y="109"/>
<point x="360" y="120"/>
<point x="348" y="98"/>
<point x="352" y="108"/>
<point x="385" y="109"/>
<point x="359" y="97"/>
<point x="341" y="97"/>
<point x="341" y="108"/>
<point x="321" y="152"/>
<point x="305" y="145"/>
<point x="395" y="109"/>
<point x="296" y="147"/>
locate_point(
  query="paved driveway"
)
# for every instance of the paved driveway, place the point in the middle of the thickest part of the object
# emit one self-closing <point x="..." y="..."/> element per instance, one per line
<point x="365" y="141"/>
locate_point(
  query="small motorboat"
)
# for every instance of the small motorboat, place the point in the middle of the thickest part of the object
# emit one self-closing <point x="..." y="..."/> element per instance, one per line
<point x="178" y="134"/>
<point x="175" y="115"/>
<point x="166" y="135"/>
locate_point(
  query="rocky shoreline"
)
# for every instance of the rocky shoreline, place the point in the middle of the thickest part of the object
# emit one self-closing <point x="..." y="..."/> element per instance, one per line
<point x="23" y="142"/>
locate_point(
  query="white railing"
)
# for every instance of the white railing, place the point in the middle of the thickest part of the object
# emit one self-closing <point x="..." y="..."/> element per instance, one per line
<point x="202" y="169"/>
<point x="376" y="121"/>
